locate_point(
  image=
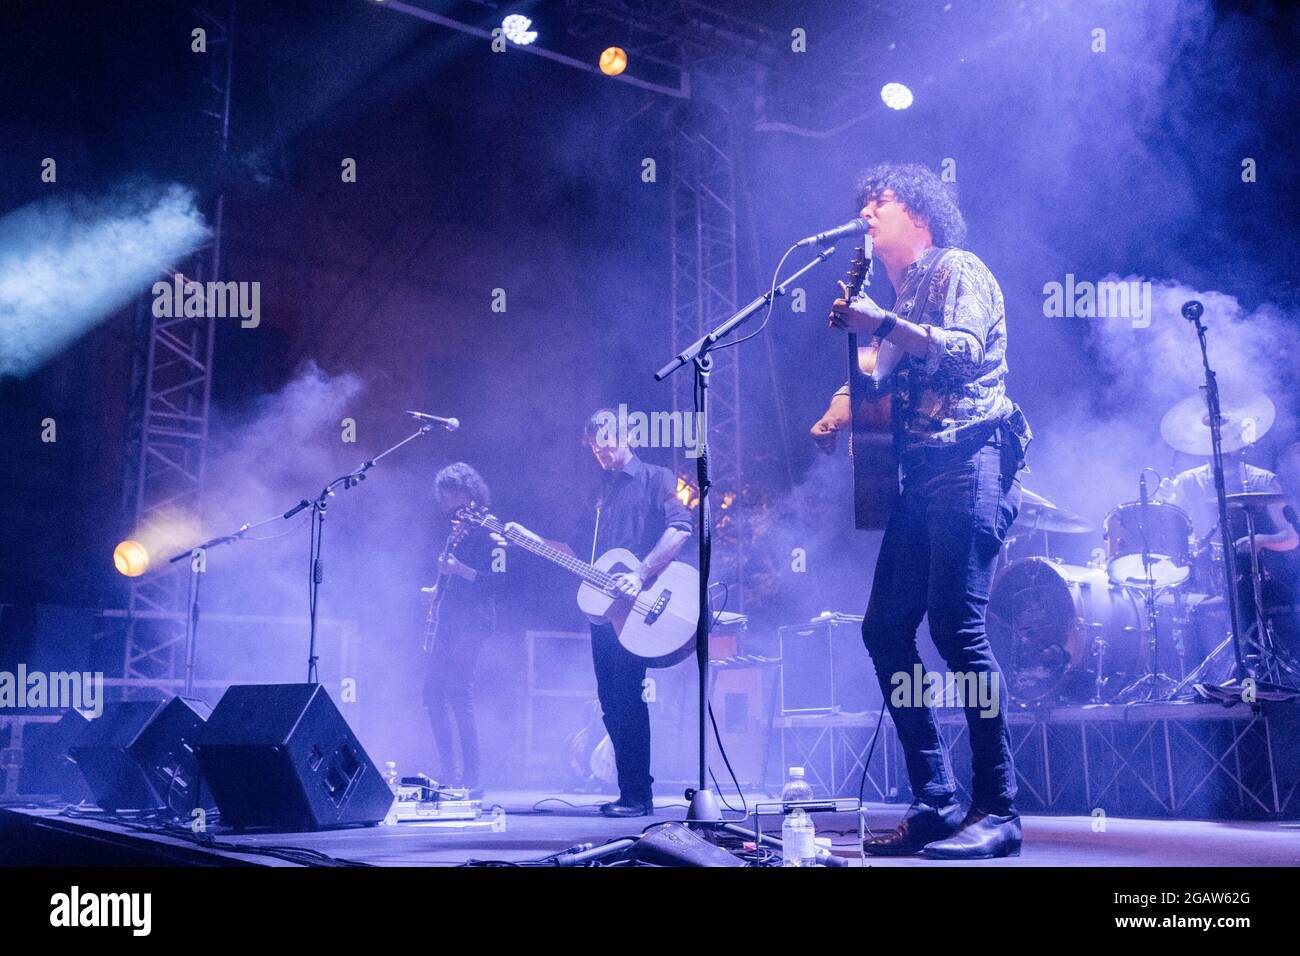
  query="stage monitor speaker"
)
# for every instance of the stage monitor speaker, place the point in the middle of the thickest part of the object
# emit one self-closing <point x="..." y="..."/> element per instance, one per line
<point x="47" y="768"/>
<point x="281" y="757"/>
<point x="139" y="755"/>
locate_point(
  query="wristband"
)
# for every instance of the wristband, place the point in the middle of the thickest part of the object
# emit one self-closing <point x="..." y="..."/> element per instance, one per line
<point x="887" y="325"/>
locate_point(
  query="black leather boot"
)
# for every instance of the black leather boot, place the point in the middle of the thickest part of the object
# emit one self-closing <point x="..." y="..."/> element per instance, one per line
<point x="922" y="824"/>
<point x="623" y="807"/>
<point x="981" y="836"/>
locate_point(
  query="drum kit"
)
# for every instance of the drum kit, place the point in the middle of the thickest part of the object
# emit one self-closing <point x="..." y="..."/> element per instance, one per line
<point x="1154" y="596"/>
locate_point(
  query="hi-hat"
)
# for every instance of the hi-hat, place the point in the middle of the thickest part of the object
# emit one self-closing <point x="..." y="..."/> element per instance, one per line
<point x="1255" y="499"/>
<point x="1186" y="426"/>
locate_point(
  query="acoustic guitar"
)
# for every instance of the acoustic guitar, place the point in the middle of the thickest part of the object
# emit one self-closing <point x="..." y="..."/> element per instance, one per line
<point x="871" y="436"/>
<point x="658" y="625"/>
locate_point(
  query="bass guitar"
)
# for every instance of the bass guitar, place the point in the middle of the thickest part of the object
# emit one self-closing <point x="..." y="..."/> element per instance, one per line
<point x="459" y="530"/>
<point x="658" y="624"/>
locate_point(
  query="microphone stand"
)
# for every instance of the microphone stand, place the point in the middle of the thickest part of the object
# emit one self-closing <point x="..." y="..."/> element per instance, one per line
<point x="704" y="808"/>
<point x="318" y="506"/>
<point x="192" y="620"/>
<point x="1192" y="312"/>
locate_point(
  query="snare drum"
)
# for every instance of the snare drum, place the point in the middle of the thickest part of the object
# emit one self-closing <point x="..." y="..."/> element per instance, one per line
<point x="1168" y="537"/>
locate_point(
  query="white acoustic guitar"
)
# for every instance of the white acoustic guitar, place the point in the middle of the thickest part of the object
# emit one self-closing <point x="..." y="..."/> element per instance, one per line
<point x="658" y="625"/>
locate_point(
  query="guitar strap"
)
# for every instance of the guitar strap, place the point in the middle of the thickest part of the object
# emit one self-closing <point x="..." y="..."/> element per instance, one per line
<point x="923" y="291"/>
<point x="917" y="311"/>
<point x="891" y="356"/>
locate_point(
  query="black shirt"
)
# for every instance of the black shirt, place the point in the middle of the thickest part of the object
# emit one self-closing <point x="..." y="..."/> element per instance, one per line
<point x="631" y="509"/>
<point x="472" y="603"/>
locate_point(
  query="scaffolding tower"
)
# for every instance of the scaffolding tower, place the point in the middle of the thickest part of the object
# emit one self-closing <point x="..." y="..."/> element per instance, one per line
<point x="171" y="388"/>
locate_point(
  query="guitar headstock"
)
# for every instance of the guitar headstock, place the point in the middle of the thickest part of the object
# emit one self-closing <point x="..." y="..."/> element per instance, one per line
<point x="859" y="269"/>
<point x="473" y="515"/>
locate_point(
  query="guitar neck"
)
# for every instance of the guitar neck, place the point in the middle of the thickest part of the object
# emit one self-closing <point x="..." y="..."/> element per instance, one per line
<point x="589" y="573"/>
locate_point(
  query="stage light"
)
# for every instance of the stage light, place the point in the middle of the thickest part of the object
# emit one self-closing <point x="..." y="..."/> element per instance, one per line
<point x="896" y="96"/>
<point x="131" y="558"/>
<point x="516" y="29"/>
<point x="68" y="262"/>
<point x="613" y="61"/>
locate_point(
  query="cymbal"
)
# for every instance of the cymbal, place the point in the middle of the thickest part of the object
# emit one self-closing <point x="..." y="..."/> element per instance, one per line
<point x="1255" y="499"/>
<point x="1186" y="426"/>
<point x="1039" y="514"/>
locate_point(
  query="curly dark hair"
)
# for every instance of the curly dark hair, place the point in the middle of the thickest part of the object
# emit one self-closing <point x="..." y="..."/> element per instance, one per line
<point x="924" y="194"/>
<point x="463" y="478"/>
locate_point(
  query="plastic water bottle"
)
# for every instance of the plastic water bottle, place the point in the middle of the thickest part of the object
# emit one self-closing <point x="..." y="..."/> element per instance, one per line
<point x="390" y="775"/>
<point x="798" y="840"/>
<point x="796" y="788"/>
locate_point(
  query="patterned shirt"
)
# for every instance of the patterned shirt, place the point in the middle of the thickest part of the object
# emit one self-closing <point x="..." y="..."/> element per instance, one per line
<point x="957" y="392"/>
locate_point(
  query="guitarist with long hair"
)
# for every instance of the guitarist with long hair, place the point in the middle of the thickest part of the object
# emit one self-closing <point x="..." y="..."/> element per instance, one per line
<point x="462" y="617"/>
<point x="960" y="442"/>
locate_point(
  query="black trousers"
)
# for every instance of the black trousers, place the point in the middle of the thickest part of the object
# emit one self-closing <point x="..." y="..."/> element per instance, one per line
<point x="619" y="685"/>
<point x="449" y="696"/>
<point x="936" y="559"/>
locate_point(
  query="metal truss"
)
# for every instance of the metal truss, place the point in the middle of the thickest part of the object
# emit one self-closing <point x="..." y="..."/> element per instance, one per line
<point x="1162" y="760"/>
<point x="702" y="211"/>
<point x="170" y="396"/>
<point x="679" y="33"/>
<point x="831" y="747"/>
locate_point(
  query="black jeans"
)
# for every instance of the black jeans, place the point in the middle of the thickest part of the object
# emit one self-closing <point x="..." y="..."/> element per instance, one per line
<point x="937" y="559"/>
<point x="448" y="694"/>
<point x="619" y="678"/>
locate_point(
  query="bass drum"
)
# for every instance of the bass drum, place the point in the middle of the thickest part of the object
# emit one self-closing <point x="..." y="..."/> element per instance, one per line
<point x="1053" y="625"/>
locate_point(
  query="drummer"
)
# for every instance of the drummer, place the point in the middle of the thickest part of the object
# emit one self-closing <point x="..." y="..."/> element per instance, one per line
<point x="1193" y="492"/>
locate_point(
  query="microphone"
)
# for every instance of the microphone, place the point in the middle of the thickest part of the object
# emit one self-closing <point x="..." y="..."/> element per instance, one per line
<point x="451" y="424"/>
<point x="1192" y="310"/>
<point x="854" y="227"/>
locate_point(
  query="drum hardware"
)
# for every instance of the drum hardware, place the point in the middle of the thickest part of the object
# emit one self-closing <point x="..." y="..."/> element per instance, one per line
<point x="1262" y="629"/>
<point x="1099" y="648"/>
<point x="1146" y="687"/>
<point x="1261" y="636"/>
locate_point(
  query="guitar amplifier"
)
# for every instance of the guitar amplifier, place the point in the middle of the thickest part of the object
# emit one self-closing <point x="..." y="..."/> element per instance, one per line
<point x="825" y="668"/>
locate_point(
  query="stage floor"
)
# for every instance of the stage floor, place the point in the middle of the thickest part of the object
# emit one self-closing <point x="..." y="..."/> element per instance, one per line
<point x="538" y="824"/>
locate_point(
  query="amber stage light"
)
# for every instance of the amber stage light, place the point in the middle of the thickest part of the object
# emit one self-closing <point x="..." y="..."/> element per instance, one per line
<point x="613" y="61"/>
<point x="131" y="558"/>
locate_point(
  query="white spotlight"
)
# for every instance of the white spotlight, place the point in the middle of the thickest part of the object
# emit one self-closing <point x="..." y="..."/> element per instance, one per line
<point x="896" y="96"/>
<point x="516" y="29"/>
